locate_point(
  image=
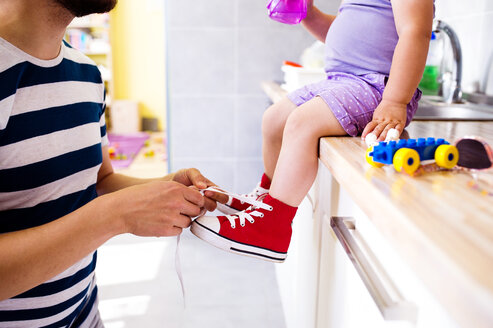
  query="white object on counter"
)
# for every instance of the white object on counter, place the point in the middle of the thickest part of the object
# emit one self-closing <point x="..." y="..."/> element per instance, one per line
<point x="392" y="134"/>
<point x="313" y="56"/>
<point x="371" y="138"/>
<point x="296" y="77"/>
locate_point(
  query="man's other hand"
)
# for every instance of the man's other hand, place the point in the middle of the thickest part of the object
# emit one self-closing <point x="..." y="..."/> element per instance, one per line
<point x="193" y="177"/>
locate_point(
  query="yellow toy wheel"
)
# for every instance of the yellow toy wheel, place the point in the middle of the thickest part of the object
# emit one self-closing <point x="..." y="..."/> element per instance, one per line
<point x="406" y="159"/>
<point x="369" y="159"/>
<point x="446" y="156"/>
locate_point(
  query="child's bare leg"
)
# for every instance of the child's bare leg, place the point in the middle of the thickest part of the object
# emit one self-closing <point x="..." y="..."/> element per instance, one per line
<point x="273" y="123"/>
<point x="298" y="159"/>
<point x="265" y="231"/>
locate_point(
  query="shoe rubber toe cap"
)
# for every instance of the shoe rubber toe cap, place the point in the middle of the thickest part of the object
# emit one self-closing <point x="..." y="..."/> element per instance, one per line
<point x="210" y="222"/>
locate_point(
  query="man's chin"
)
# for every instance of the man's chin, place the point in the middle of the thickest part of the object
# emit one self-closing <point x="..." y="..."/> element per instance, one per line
<point x="81" y="8"/>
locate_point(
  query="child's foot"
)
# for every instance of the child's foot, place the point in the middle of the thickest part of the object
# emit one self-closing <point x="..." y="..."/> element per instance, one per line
<point x="263" y="232"/>
<point x="235" y="205"/>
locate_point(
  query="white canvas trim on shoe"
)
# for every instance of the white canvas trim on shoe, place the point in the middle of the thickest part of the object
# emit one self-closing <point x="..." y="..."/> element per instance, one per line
<point x="226" y="244"/>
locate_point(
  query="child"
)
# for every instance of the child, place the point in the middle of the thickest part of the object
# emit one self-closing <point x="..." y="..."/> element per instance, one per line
<point x="375" y="57"/>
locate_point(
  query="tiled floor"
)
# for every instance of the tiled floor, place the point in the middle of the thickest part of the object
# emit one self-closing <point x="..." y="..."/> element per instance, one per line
<point x="139" y="286"/>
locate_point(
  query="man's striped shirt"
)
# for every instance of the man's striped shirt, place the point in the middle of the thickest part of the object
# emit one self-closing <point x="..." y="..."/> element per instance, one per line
<point x="52" y="129"/>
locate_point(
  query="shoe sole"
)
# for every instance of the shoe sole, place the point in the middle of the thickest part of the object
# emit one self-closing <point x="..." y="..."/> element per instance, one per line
<point x="229" y="245"/>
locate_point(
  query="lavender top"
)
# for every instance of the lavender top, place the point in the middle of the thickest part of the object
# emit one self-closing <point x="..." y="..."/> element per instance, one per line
<point x="362" y="38"/>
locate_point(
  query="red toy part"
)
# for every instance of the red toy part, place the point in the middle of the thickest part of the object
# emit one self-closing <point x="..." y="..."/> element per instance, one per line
<point x="290" y="63"/>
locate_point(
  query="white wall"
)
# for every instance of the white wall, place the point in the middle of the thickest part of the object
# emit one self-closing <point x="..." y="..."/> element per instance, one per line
<point x="472" y="20"/>
<point x="218" y="53"/>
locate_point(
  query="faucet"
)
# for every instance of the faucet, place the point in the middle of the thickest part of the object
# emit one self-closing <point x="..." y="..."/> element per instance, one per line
<point x="454" y="92"/>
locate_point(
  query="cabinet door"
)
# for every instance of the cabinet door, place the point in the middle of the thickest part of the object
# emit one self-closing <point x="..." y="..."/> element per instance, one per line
<point x="429" y="312"/>
<point x="368" y="296"/>
<point x="343" y="298"/>
<point x="297" y="277"/>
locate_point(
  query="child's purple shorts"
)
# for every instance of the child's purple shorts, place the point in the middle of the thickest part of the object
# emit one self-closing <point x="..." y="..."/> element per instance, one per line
<point x="351" y="98"/>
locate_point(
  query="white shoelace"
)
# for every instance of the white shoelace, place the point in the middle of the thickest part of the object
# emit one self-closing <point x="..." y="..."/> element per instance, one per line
<point x="243" y="216"/>
<point x="178" y="270"/>
<point x="252" y="200"/>
<point x="255" y="194"/>
<point x="257" y="203"/>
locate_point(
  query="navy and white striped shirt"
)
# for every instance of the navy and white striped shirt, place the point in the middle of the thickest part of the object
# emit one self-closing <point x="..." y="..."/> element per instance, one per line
<point x="52" y="129"/>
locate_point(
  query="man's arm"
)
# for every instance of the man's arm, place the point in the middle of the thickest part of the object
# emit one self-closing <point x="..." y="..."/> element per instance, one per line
<point x="413" y="21"/>
<point x="316" y="22"/>
<point x="32" y="256"/>
<point x="109" y="181"/>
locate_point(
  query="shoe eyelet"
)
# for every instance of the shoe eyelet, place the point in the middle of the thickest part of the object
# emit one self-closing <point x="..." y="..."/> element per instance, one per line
<point x="271" y="208"/>
<point x="253" y="221"/>
<point x="262" y="215"/>
<point x="233" y="226"/>
<point x="242" y="225"/>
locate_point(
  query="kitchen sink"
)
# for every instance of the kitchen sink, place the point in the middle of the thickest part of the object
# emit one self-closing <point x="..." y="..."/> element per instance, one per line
<point x="431" y="108"/>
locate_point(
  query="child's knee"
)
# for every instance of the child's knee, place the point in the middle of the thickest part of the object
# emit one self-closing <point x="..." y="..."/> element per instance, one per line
<point x="298" y="123"/>
<point x="273" y="121"/>
<point x="311" y="124"/>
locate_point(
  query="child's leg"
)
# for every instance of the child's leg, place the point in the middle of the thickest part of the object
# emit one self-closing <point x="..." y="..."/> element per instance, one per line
<point x="264" y="230"/>
<point x="273" y="123"/>
<point x="298" y="160"/>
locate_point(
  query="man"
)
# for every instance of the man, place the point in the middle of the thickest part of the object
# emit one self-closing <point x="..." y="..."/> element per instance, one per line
<point x="54" y="163"/>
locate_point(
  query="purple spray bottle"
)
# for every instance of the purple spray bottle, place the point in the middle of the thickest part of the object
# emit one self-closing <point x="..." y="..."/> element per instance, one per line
<point x="287" y="11"/>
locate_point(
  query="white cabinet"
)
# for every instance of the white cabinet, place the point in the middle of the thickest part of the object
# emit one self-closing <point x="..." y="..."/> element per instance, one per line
<point x="320" y="286"/>
<point x="298" y="276"/>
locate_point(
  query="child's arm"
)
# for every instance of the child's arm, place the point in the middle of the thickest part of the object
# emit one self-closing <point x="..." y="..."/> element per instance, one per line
<point x="316" y="22"/>
<point x="413" y="21"/>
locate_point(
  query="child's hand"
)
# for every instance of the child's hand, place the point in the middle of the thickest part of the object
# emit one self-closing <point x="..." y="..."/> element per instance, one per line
<point x="387" y="115"/>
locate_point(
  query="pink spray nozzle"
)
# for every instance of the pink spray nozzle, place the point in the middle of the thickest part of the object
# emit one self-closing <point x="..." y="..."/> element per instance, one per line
<point x="287" y="11"/>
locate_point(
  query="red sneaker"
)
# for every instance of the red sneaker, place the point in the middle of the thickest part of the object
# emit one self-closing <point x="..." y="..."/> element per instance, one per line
<point x="262" y="231"/>
<point x="235" y="205"/>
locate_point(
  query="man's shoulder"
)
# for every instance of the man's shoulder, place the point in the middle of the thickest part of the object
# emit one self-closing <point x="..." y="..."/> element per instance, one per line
<point x="76" y="55"/>
<point x="7" y="57"/>
<point x="10" y="57"/>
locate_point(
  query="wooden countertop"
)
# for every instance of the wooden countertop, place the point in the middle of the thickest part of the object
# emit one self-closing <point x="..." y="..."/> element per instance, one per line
<point x="440" y="226"/>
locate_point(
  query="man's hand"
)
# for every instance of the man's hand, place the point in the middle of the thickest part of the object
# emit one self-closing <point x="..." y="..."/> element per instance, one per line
<point x="159" y="208"/>
<point x="387" y="115"/>
<point x="193" y="177"/>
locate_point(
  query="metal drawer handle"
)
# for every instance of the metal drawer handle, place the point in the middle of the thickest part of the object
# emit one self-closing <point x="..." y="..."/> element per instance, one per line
<point x="387" y="297"/>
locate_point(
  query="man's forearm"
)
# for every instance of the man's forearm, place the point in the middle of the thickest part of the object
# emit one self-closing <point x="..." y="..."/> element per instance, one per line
<point x="115" y="181"/>
<point x="317" y="23"/>
<point x="407" y="66"/>
<point x="109" y="181"/>
<point x="32" y="256"/>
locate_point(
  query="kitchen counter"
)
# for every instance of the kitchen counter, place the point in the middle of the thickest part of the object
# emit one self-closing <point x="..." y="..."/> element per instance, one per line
<point x="437" y="223"/>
